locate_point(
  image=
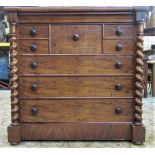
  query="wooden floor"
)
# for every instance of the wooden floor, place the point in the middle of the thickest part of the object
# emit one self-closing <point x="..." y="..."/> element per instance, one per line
<point x="149" y="122"/>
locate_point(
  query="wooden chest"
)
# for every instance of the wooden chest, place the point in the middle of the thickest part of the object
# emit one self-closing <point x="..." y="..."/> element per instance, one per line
<point x="76" y="73"/>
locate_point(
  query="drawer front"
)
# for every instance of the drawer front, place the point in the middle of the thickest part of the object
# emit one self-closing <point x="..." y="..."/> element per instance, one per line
<point x="118" y="46"/>
<point x="118" y="31"/>
<point x="33" y="46"/>
<point x="33" y="31"/>
<point x="76" y="86"/>
<point x="100" y="64"/>
<point x="76" y="39"/>
<point x="77" y="18"/>
<point x="95" y="110"/>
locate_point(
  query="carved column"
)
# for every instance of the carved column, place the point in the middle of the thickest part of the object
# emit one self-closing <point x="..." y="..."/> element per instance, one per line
<point x="138" y="130"/>
<point x="139" y="75"/>
<point x="14" y="135"/>
<point x="13" y="76"/>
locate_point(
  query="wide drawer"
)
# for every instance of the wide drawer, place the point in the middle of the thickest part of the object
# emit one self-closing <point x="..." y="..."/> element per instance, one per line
<point x="69" y="86"/>
<point x="33" y="46"/>
<point x="71" y="110"/>
<point x="113" y="17"/>
<point x="33" y="31"/>
<point x="69" y="64"/>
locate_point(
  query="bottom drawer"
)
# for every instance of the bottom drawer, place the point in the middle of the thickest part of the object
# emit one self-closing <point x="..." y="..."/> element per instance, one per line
<point x="74" y="110"/>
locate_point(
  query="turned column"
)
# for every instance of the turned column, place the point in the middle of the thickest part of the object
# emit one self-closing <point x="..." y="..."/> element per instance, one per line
<point x="138" y="128"/>
<point x="13" y="76"/>
<point x="14" y="136"/>
<point x="139" y="75"/>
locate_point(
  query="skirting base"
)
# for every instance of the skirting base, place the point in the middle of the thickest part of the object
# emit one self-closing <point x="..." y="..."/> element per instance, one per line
<point x="14" y="135"/>
<point x="138" y="134"/>
<point x="74" y="131"/>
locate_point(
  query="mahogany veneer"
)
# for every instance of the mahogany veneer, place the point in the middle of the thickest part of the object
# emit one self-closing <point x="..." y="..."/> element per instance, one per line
<point x="76" y="73"/>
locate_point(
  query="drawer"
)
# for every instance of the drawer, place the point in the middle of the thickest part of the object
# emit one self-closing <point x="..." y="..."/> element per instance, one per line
<point x="118" y="46"/>
<point x="76" y="39"/>
<point x="72" y="110"/>
<point x="68" y="86"/>
<point x="70" y="64"/>
<point x="118" y="31"/>
<point x="33" y="31"/>
<point x="61" y="18"/>
<point x="33" y="46"/>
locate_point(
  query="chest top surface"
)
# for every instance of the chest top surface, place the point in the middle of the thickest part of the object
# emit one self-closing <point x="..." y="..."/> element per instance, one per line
<point x="74" y="14"/>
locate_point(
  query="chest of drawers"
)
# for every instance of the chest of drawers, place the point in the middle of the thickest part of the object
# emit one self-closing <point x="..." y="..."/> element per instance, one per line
<point x="76" y="73"/>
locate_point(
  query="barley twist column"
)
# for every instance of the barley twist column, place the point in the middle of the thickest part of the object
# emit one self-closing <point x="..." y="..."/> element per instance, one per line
<point x="13" y="76"/>
<point x="139" y="75"/>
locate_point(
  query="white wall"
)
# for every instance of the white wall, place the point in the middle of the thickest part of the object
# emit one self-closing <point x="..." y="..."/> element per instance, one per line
<point x="148" y="41"/>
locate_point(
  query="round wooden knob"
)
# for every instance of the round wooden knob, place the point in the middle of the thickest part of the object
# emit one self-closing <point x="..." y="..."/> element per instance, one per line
<point x="118" y="86"/>
<point x="119" y="31"/>
<point x="75" y="37"/>
<point x="118" y="64"/>
<point x="33" y="32"/>
<point x="34" y="65"/>
<point x="119" y="47"/>
<point x="33" y="47"/>
<point x="118" y="110"/>
<point x="34" y="87"/>
<point x="34" y="111"/>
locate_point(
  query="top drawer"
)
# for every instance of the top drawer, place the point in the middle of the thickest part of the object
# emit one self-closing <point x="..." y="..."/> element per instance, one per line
<point x="79" y="17"/>
<point x="33" y="31"/>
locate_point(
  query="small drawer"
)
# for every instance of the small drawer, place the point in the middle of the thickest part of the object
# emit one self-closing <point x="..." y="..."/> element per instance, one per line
<point x="58" y="86"/>
<point x="71" y="110"/>
<point x="33" y="47"/>
<point x="118" y="46"/>
<point x="76" y="39"/>
<point x="118" y="31"/>
<point x="33" y="31"/>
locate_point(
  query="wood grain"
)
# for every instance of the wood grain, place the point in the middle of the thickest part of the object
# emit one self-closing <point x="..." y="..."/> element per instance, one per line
<point x="75" y="9"/>
<point x="14" y="136"/>
<point x="66" y="64"/>
<point x="90" y="39"/>
<point x="76" y="131"/>
<point x="42" y="46"/>
<point x="75" y="93"/>
<point x="138" y="134"/>
<point x="76" y="86"/>
<point x="77" y="18"/>
<point x="42" y="30"/>
<point x="90" y="110"/>
<point x="110" y="31"/>
<point x="109" y="46"/>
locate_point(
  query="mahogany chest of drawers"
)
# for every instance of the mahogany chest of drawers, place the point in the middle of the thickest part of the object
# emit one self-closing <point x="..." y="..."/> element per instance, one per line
<point x="76" y="73"/>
